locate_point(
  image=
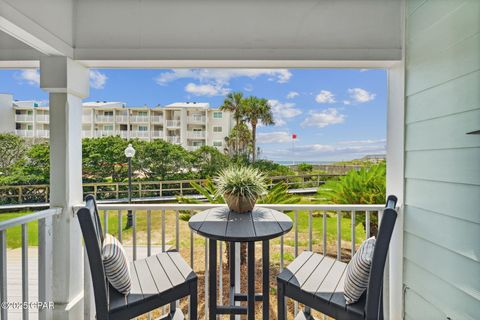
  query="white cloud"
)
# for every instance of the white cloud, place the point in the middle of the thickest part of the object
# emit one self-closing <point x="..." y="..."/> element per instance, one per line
<point x="248" y="87"/>
<point x="361" y="95"/>
<point x="206" y="89"/>
<point x="30" y="76"/>
<point x="292" y="94"/>
<point x="222" y="75"/>
<point x="325" y="97"/>
<point x="347" y="102"/>
<point x="274" y="137"/>
<point x="363" y="142"/>
<point x="321" y="119"/>
<point x="363" y="70"/>
<point x="97" y="79"/>
<point x="283" y="111"/>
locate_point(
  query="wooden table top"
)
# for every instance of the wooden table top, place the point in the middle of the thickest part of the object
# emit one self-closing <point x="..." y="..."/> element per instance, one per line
<point x="222" y="224"/>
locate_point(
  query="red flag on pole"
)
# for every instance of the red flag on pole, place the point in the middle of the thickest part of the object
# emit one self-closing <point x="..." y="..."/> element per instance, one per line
<point x="294" y="136"/>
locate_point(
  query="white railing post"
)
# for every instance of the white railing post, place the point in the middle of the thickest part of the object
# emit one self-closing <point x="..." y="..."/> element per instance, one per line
<point x="67" y="83"/>
<point x="45" y="252"/>
<point x="3" y="272"/>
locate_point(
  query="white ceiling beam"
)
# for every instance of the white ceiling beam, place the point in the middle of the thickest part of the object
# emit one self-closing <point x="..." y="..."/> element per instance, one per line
<point x="31" y="33"/>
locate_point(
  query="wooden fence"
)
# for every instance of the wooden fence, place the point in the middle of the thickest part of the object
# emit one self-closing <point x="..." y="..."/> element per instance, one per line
<point x="144" y="189"/>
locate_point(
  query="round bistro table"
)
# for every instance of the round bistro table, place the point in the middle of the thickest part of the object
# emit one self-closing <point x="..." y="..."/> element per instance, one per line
<point x="221" y="224"/>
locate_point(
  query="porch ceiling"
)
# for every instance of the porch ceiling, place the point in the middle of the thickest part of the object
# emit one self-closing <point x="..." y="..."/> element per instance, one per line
<point x="147" y="30"/>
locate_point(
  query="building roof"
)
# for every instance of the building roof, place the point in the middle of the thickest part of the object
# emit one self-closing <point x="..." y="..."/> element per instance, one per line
<point x="188" y="105"/>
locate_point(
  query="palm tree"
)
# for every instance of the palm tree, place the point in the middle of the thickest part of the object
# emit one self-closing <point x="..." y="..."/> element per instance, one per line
<point x="234" y="102"/>
<point x="239" y="140"/>
<point x="257" y="110"/>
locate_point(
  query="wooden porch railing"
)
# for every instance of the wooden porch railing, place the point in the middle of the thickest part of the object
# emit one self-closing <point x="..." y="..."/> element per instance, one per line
<point x="144" y="189"/>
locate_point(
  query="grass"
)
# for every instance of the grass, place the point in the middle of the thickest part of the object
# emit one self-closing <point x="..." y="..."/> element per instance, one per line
<point x="14" y="234"/>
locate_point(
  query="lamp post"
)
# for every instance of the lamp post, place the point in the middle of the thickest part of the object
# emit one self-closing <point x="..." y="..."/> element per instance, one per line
<point x="129" y="153"/>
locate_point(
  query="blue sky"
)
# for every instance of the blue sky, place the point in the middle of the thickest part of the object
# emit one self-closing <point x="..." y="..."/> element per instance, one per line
<point x="337" y="114"/>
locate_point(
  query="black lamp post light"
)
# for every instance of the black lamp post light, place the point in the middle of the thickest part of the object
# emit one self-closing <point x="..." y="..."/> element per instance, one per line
<point x="129" y="153"/>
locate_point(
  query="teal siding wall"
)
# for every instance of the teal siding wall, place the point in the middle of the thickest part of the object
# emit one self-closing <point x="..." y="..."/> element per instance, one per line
<point x="442" y="163"/>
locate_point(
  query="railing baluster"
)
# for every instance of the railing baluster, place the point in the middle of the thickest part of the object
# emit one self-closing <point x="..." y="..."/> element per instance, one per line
<point x="296" y="232"/>
<point x="163" y="230"/>
<point x="134" y="234"/>
<point x="45" y="252"/>
<point x="310" y="232"/>
<point x="24" y="269"/>
<point x="220" y="279"/>
<point x="149" y="233"/>
<point x="119" y="216"/>
<point x="206" y="279"/>
<point x="367" y="224"/>
<point x="353" y="232"/>
<point x="3" y="272"/>
<point x="105" y="222"/>
<point x="339" y="235"/>
<point x="281" y="253"/>
<point x="324" y="231"/>
<point x="177" y="231"/>
<point x="191" y="248"/>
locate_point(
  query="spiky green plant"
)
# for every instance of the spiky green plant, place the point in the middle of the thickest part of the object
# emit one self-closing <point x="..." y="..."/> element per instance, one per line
<point x="241" y="181"/>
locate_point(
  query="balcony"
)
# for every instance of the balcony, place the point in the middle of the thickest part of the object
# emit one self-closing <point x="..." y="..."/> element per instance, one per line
<point x="157" y="119"/>
<point x="24" y="133"/>
<point x="197" y="119"/>
<point x="121" y="119"/>
<point x="123" y="134"/>
<point x="140" y="134"/>
<point x="104" y="119"/>
<point x="43" y="133"/>
<point x="173" y="123"/>
<point x="43" y="118"/>
<point x="23" y="118"/>
<point x="103" y="133"/>
<point x="157" y="134"/>
<point x="139" y="119"/>
<point x="173" y="139"/>
<point x="196" y="134"/>
<point x="86" y="118"/>
<point x="87" y="134"/>
<point x="193" y="148"/>
<point x="317" y="227"/>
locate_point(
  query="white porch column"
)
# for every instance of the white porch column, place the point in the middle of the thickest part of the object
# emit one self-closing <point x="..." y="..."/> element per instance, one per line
<point x="67" y="83"/>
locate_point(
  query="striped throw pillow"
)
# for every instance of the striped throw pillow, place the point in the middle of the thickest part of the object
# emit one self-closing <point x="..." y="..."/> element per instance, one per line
<point x="358" y="271"/>
<point x="116" y="264"/>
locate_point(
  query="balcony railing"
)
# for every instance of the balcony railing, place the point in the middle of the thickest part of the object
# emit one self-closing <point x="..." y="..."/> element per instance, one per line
<point x="173" y="123"/>
<point x="24" y="133"/>
<point x="333" y="230"/>
<point x="196" y="134"/>
<point x="104" y="119"/>
<point x="43" y="133"/>
<point x="197" y="119"/>
<point x="173" y="139"/>
<point x="23" y="118"/>
<point x="157" y="134"/>
<point x="42" y="118"/>
<point x="121" y="119"/>
<point x="157" y="119"/>
<point x="140" y="134"/>
<point x="87" y="134"/>
<point x="86" y="118"/>
<point x="19" y="282"/>
<point x="193" y="148"/>
<point x="103" y="133"/>
<point x="139" y="119"/>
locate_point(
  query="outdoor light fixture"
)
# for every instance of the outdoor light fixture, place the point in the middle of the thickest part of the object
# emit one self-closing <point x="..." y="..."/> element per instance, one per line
<point x="129" y="153"/>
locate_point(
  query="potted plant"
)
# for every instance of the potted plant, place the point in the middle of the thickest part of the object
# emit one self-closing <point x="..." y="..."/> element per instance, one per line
<point x="240" y="186"/>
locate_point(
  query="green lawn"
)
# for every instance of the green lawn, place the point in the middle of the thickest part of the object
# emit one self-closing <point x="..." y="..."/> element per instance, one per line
<point x="14" y="235"/>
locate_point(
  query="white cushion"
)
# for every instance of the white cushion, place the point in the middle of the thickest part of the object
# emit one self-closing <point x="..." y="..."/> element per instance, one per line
<point x="116" y="264"/>
<point x="358" y="271"/>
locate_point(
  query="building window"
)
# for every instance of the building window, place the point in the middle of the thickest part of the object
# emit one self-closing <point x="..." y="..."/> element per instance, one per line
<point x="217" y="129"/>
<point x="29" y="112"/>
<point x="108" y="128"/>
<point x="108" y="113"/>
<point x="143" y="113"/>
<point x="142" y="128"/>
<point x="217" y="143"/>
<point x="29" y="127"/>
<point x="218" y="115"/>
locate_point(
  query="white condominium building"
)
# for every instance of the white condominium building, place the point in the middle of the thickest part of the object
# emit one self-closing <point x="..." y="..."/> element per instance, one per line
<point x="190" y="124"/>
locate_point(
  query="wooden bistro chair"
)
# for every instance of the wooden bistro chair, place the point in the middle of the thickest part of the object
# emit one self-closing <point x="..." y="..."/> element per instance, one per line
<point x="317" y="281"/>
<point x="156" y="281"/>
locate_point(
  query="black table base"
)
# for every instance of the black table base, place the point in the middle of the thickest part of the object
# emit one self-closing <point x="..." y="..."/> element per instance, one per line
<point x="251" y="296"/>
